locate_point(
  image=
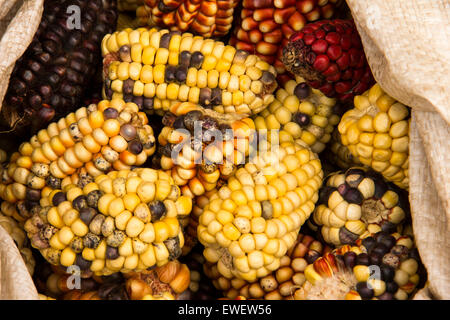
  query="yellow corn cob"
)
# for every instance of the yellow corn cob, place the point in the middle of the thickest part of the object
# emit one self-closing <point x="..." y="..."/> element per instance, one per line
<point x="19" y="237"/>
<point x="249" y="225"/>
<point x="88" y="142"/>
<point x="281" y="284"/>
<point x="300" y="113"/>
<point x="196" y="163"/>
<point x="356" y="202"/>
<point x="376" y="132"/>
<point x="390" y="272"/>
<point x="124" y="221"/>
<point x="155" y="69"/>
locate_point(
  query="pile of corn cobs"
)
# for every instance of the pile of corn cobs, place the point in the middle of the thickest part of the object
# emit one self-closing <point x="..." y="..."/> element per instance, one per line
<point x="272" y="167"/>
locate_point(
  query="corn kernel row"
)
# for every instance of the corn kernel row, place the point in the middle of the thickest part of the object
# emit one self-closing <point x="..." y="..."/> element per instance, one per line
<point x="300" y="113"/>
<point x="376" y="131"/>
<point x="93" y="140"/>
<point x="253" y="220"/>
<point x="155" y="68"/>
<point x="123" y="221"/>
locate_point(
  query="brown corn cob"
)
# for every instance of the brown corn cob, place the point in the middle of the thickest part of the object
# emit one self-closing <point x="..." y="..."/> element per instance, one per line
<point x="52" y="76"/>
<point x="83" y="145"/>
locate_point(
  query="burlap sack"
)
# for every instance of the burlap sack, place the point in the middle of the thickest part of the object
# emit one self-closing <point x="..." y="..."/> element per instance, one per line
<point x="408" y="48"/>
<point x="407" y="44"/>
<point x="19" y="20"/>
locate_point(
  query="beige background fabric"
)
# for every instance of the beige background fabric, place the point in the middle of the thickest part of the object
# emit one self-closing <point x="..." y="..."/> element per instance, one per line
<point x="15" y="281"/>
<point x="407" y="44"/>
<point x="19" y="20"/>
<point x="408" y="48"/>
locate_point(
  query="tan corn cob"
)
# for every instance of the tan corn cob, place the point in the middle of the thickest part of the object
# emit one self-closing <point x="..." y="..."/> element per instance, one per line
<point x="155" y="69"/>
<point x="253" y="220"/>
<point x="376" y="132"/>
<point x="281" y="284"/>
<point x="196" y="169"/>
<point x="355" y="203"/>
<point x="208" y="18"/>
<point x="88" y="142"/>
<point x="300" y="113"/>
<point x="124" y="221"/>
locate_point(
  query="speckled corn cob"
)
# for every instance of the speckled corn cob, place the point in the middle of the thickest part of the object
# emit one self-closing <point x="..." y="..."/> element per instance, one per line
<point x="124" y="221"/>
<point x="376" y="132"/>
<point x="255" y="218"/>
<point x="355" y="203"/>
<point x="300" y="113"/>
<point x="128" y="5"/>
<point x="88" y="142"/>
<point x="382" y="266"/>
<point x="155" y="69"/>
<point x="281" y="284"/>
<point x="208" y="18"/>
<point x="197" y="163"/>
<point x="20" y="239"/>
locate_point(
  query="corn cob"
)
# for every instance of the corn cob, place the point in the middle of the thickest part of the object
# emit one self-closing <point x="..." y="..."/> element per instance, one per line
<point x="123" y="221"/>
<point x="382" y="266"/>
<point x="281" y="284"/>
<point x="356" y="202"/>
<point x="301" y="113"/>
<point x="207" y="18"/>
<point x="376" y="132"/>
<point x="265" y="26"/>
<point x="20" y="239"/>
<point x="339" y="154"/>
<point x="155" y="69"/>
<point x="83" y="145"/>
<point x="249" y="225"/>
<point x="129" y="5"/>
<point x="199" y="146"/>
<point x="52" y="76"/>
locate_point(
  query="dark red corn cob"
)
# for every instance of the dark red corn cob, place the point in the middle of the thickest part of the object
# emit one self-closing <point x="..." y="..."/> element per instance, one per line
<point x="329" y="55"/>
<point x="264" y="26"/>
<point x="51" y="78"/>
